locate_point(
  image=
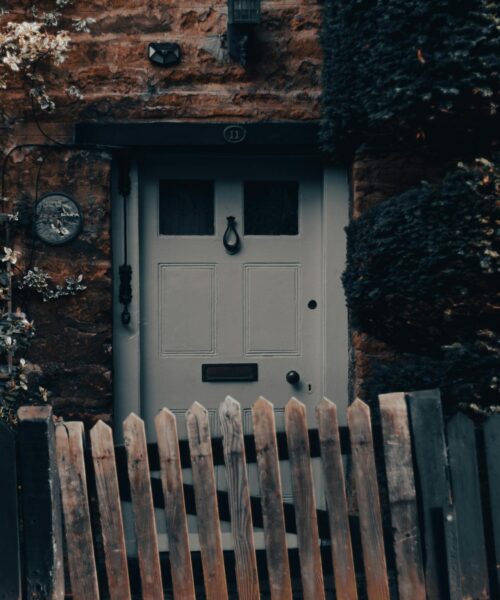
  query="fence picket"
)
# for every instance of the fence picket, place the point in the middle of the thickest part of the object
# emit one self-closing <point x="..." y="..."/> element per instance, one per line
<point x="239" y="500"/>
<point x="175" y="510"/>
<point x="272" y="500"/>
<point x="367" y="493"/>
<point x="402" y="496"/>
<point x="467" y="500"/>
<point x="452" y="553"/>
<point x="40" y="504"/>
<point x="427" y="430"/>
<point x="305" y="504"/>
<point x="142" y="508"/>
<point x="492" y="449"/>
<point x="206" y="502"/>
<point x="10" y="566"/>
<point x="336" y="500"/>
<point x="110" y="512"/>
<point x="71" y="467"/>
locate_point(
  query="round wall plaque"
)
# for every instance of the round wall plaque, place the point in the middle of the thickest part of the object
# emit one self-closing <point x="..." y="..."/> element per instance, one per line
<point x="234" y="134"/>
<point x="57" y="219"/>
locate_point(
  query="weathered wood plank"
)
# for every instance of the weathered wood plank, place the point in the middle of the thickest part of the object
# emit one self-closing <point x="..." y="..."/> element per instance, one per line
<point x="491" y="431"/>
<point x="305" y="504"/>
<point x="367" y="494"/>
<point x="278" y="567"/>
<point x="10" y="566"/>
<point x="427" y="428"/>
<point x="402" y="496"/>
<point x="110" y="512"/>
<point x="77" y="527"/>
<point x="462" y="457"/>
<point x="336" y="500"/>
<point x="175" y="510"/>
<point x="206" y="502"/>
<point x="239" y="500"/>
<point x="452" y="554"/>
<point x="142" y="507"/>
<point x="41" y="504"/>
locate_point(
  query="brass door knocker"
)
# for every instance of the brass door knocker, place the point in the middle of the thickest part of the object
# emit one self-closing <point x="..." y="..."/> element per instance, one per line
<point x="232" y="247"/>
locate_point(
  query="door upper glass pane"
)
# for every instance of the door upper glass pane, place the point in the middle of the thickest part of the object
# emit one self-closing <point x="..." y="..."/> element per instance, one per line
<point x="271" y="208"/>
<point x="186" y="207"/>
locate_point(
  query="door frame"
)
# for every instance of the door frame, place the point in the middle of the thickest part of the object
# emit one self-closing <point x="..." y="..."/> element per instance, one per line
<point x="127" y="339"/>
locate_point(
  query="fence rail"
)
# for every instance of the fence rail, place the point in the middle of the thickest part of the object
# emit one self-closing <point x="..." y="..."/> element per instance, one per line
<point x="438" y="527"/>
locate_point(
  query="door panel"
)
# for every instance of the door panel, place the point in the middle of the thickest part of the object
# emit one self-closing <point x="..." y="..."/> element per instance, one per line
<point x="271" y="306"/>
<point x="187" y="310"/>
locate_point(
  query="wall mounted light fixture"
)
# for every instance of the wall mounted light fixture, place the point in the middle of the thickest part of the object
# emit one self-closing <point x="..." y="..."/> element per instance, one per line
<point x="243" y="15"/>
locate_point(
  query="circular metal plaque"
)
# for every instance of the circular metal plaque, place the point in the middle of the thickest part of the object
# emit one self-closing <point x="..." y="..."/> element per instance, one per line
<point x="57" y="219"/>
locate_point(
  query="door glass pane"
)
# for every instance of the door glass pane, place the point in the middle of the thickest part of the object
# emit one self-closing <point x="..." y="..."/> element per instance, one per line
<point x="271" y="207"/>
<point x="186" y="207"/>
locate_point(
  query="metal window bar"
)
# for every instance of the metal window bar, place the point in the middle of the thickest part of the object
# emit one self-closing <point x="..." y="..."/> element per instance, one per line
<point x="244" y="11"/>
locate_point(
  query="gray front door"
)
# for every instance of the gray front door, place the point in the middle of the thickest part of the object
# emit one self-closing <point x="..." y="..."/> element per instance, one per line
<point x="215" y="323"/>
<point x="277" y="303"/>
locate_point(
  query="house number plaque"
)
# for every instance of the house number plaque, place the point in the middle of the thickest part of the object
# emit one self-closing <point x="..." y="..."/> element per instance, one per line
<point x="234" y="134"/>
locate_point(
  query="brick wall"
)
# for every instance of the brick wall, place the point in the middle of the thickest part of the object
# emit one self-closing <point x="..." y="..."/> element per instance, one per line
<point x="111" y="67"/>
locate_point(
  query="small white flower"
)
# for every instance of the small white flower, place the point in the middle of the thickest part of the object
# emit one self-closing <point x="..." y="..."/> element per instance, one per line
<point x="82" y="25"/>
<point x="11" y="61"/>
<point x="74" y="92"/>
<point x="10" y="255"/>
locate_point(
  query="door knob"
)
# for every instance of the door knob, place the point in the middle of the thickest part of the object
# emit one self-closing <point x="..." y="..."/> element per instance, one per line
<point x="293" y="377"/>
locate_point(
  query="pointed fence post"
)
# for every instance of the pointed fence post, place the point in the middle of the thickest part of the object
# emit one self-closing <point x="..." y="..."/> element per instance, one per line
<point x="402" y="496"/>
<point x="367" y="494"/>
<point x="207" y="510"/>
<point x="110" y="511"/>
<point x="40" y="505"/>
<point x="336" y="501"/>
<point x="305" y="503"/>
<point x="175" y="509"/>
<point x="10" y="566"/>
<point x="77" y="527"/>
<point x="142" y="507"/>
<point x="239" y="499"/>
<point x="266" y="446"/>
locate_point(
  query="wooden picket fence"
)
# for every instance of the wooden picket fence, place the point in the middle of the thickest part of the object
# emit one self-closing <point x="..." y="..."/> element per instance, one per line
<point x="441" y="487"/>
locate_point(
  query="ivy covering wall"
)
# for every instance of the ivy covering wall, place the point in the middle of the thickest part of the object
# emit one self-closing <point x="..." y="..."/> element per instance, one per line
<point x="424" y="277"/>
<point x="396" y="68"/>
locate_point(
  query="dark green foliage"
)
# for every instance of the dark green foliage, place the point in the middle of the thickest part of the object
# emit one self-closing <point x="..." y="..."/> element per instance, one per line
<point x="423" y="276"/>
<point x="393" y="68"/>
<point x="464" y="372"/>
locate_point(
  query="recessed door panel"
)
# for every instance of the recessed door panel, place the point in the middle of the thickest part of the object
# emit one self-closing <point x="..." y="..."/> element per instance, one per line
<point x="271" y="305"/>
<point x="187" y="309"/>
